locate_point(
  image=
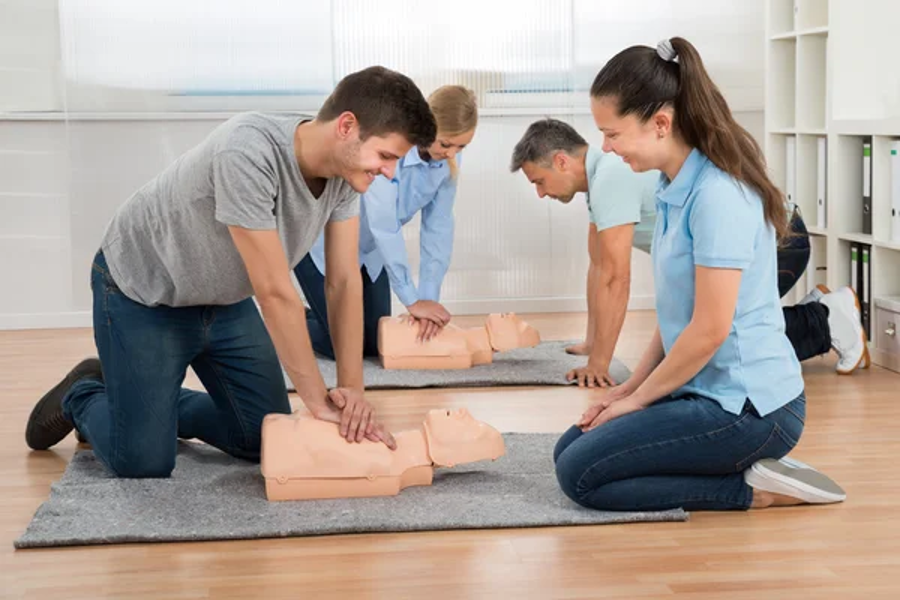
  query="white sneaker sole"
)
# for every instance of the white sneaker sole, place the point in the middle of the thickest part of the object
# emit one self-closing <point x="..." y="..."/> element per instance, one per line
<point x="865" y="359"/>
<point x="793" y="478"/>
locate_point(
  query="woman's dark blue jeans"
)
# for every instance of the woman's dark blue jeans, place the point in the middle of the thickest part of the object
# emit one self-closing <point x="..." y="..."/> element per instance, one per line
<point x="686" y="452"/>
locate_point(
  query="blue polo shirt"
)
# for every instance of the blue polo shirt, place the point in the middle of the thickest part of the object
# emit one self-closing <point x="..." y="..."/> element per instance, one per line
<point x="618" y="196"/>
<point x="707" y="218"/>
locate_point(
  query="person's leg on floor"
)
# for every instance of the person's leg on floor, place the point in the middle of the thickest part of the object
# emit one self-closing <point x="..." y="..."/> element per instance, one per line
<point x="848" y="338"/>
<point x="313" y="285"/>
<point x="806" y="326"/>
<point x="240" y="369"/>
<point x="376" y="304"/>
<point x="685" y="452"/>
<point x="130" y="419"/>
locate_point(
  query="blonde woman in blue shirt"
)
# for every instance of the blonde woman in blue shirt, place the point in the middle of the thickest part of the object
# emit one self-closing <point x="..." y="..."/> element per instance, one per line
<point x="424" y="181"/>
<point x="717" y="401"/>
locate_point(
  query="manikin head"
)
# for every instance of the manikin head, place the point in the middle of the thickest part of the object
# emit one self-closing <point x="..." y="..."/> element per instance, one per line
<point x="507" y="331"/>
<point x="551" y="154"/>
<point x="377" y="115"/>
<point x="654" y="105"/>
<point x="455" y="112"/>
<point x="455" y="437"/>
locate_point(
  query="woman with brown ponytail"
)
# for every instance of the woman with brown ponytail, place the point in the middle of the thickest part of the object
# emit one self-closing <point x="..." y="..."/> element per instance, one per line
<point x="717" y="401"/>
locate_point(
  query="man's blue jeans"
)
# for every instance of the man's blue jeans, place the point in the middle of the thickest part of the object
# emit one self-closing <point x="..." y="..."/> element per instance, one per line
<point x="134" y="419"/>
<point x="684" y="452"/>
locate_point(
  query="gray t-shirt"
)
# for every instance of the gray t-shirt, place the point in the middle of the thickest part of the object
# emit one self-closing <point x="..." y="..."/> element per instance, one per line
<point x="169" y="243"/>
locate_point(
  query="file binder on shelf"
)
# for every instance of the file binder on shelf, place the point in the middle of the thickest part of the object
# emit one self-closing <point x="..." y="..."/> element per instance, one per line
<point x="821" y="180"/>
<point x="790" y="187"/>
<point x="867" y="187"/>
<point x="865" y="299"/>
<point x="895" y="191"/>
<point x="854" y="268"/>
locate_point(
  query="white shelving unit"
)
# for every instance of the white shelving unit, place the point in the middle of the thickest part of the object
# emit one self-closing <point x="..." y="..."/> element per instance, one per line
<point x="803" y="38"/>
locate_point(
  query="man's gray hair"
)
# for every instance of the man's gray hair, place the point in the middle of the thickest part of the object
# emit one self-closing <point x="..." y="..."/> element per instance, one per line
<point x="542" y="140"/>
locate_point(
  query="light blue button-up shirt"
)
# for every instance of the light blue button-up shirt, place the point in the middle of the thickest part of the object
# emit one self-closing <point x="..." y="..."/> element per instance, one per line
<point x="707" y="218"/>
<point x="618" y="196"/>
<point x="386" y="207"/>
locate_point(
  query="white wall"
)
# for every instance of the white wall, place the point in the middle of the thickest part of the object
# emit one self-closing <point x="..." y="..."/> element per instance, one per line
<point x="63" y="175"/>
<point x="29" y="55"/>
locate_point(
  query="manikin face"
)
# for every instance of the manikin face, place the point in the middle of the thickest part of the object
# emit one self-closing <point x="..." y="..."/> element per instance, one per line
<point x="361" y="162"/>
<point x="455" y="436"/>
<point x="446" y="146"/>
<point x="557" y="181"/>
<point x="637" y="143"/>
<point x="507" y="331"/>
<point x="454" y="426"/>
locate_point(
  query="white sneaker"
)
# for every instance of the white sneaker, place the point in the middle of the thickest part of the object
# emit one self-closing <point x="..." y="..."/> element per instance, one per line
<point x="816" y="294"/>
<point x="793" y="478"/>
<point x="847" y="335"/>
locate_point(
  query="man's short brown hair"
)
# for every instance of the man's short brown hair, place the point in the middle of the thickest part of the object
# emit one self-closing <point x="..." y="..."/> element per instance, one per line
<point x="384" y="102"/>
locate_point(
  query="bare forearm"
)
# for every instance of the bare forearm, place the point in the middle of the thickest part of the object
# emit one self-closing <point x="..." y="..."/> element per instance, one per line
<point x="652" y="356"/>
<point x="285" y="319"/>
<point x="690" y="353"/>
<point x="345" y="320"/>
<point x="593" y="280"/>
<point x="610" y="306"/>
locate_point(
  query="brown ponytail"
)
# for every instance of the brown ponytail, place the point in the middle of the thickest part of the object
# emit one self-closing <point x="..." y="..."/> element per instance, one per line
<point x="644" y="80"/>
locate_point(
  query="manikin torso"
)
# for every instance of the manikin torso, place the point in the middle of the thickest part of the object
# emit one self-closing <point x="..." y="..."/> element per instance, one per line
<point x="306" y="458"/>
<point x="453" y="347"/>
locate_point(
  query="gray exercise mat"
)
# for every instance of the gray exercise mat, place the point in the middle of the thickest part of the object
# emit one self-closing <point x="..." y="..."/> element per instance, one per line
<point x="545" y="364"/>
<point x="212" y="496"/>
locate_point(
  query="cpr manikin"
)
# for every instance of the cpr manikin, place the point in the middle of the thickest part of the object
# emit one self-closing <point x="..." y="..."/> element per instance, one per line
<point x="304" y="458"/>
<point x="453" y="347"/>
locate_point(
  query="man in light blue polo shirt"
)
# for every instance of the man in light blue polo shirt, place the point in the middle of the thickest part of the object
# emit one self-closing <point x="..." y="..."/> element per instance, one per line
<point x="621" y="203"/>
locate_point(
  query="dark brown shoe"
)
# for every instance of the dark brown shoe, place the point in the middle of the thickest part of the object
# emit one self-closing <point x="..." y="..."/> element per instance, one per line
<point x="47" y="425"/>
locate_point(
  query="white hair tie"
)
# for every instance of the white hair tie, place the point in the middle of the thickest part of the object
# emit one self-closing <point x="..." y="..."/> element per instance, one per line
<point x="666" y="52"/>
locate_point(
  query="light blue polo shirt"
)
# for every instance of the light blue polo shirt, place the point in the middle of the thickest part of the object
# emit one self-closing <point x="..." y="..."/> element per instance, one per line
<point x="707" y="218"/>
<point x="617" y="195"/>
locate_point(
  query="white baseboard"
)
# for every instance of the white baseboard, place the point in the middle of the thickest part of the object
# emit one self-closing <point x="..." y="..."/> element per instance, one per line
<point x="67" y="320"/>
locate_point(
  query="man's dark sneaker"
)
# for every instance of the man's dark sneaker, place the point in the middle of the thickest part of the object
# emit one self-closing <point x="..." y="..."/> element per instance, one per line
<point x="47" y="425"/>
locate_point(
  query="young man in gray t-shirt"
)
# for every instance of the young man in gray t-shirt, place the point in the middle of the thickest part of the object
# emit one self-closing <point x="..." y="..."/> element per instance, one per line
<point x="180" y="261"/>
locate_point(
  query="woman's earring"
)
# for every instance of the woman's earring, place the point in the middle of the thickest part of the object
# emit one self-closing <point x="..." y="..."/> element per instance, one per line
<point x="659" y="134"/>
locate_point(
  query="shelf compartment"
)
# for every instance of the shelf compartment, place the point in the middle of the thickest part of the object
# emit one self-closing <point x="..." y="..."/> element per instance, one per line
<point x="781" y="93"/>
<point x="781" y="16"/>
<point x="810" y="14"/>
<point x="845" y="167"/>
<point x="811" y="82"/>
<point x="807" y="184"/>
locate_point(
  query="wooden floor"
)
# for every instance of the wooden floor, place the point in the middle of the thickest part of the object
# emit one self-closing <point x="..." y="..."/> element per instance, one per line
<point x="851" y="550"/>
